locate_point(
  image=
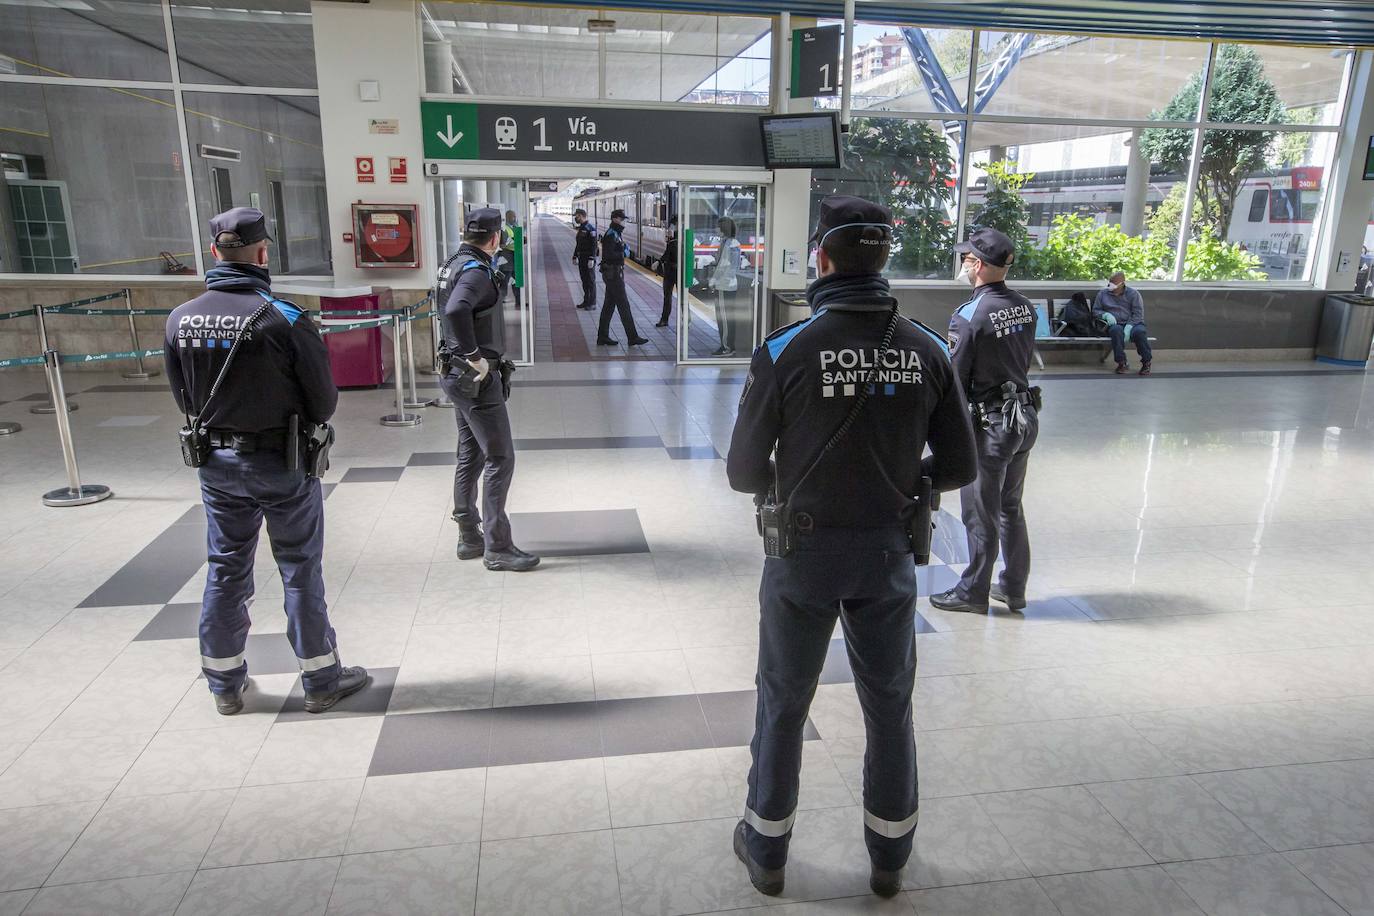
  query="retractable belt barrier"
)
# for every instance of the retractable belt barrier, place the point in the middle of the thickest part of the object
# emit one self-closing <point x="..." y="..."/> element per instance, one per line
<point x="75" y="493"/>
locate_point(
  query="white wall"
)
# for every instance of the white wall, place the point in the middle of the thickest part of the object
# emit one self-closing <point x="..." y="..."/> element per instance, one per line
<point x="1352" y="197"/>
<point x="373" y="41"/>
<point x="789" y="203"/>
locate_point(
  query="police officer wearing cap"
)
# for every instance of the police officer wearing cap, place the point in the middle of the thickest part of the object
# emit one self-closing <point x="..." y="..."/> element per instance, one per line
<point x="613" y="251"/>
<point x="278" y="378"/>
<point x="584" y="254"/>
<point x="992" y="339"/>
<point x="835" y="415"/>
<point x="476" y="378"/>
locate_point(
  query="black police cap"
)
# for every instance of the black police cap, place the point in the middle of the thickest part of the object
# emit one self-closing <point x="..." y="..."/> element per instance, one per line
<point x="617" y="214"/>
<point x="239" y="228"/>
<point x="484" y="219"/>
<point x="989" y="246"/>
<point x="842" y="213"/>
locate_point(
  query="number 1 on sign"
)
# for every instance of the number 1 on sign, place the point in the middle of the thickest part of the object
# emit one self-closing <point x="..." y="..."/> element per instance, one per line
<point x="542" y="146"/>
<point x="825" y="79"/>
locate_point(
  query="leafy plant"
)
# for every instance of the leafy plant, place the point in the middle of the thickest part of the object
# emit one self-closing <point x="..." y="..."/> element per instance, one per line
<point x="1210" y="258"/>
<point x="1003" y="209"/>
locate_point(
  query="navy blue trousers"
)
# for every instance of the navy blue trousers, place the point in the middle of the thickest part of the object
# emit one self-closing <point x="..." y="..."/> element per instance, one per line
<point x="486" y="453"/>
<point x="866" y="579"/>
<point x="993" y="515"/>
<point x="1139" y="336"/>
<point x="239" y="492"/>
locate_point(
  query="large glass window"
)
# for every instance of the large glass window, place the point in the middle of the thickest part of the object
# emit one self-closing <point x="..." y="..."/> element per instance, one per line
<point x="263" y="151"/>
<point x="911" y="167"/>
<point x="105" y="39"/>
<point x="245" y="42"/>
<point x="907" y="68"/>
<point x="506" y="51"/>
<point x="1275" y="84"/>
<point x="73" y="205"/>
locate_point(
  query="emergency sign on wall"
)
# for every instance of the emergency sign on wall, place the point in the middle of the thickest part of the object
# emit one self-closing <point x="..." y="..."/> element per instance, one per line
<point x="386" y="235"/>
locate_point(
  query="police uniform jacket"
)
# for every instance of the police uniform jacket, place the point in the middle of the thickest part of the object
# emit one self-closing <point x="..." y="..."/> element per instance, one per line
<point x="584" y="242"/>
<point x="613" y="247"/>
<point x="669" y="258"/>
<point x="992" y="341"/>
<point x="474" y="319"/>
<point x="281" y="367"/>
<point x="801" y="384"/>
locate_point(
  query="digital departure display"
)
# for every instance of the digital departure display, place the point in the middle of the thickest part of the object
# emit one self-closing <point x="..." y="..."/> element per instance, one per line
<point x="809" y="141"/>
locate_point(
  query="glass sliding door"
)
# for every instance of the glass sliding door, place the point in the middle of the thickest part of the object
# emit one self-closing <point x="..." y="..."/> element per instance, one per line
<point x="721" y="256"/>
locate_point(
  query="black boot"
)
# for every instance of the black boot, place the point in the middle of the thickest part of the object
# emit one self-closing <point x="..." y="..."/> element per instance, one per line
<point x="349" y="682"/>
<point x="1015" y="603"/>
<point x="471" y="544"/>
<point x="885" y="883"/>
<point x="767" y="881"/>
<point x="512" y="559"/>
<point x="228" y="704"/>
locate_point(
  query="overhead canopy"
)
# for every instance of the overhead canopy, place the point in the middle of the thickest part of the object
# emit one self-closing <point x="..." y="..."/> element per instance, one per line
<point x="1339" y="23"/>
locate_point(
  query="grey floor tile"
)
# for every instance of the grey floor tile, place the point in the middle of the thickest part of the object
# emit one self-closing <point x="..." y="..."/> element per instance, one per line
<point x="158" y="571"/>
<point x="534" y="734"/>
<point x="1062" y="830"/>
<point x="585" y="533"/>
<point x="1321" y="804"/>
<point x="730" y="717"/>
<point x="175" y="621"/>
<point x="1251" y="885"/>
<point x="589" y="442"/>
<point x="407" y="882"/>
<point x="372" y="475"/>
<point x="372" y="700"/>
<point x="652" y="725"/>
<point x="957" y="843"/>
<point x="1345" y="873"/>
<point x="692" y="452"/>
<point x="12" y="903"/>
<point x="299" y="888"/>
<point x="1145" y="891"/>
<point x="119" y="897"/>
<point x="431" y="459"/>
<point x="670" y="869"/>
<point x="428" y="741"/>
<point x="269" y="653"/>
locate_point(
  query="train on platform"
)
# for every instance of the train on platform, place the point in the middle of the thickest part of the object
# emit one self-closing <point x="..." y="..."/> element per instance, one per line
<point x="649" y="204"/>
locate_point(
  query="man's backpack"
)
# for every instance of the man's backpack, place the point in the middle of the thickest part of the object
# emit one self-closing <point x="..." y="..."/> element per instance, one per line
<point x="1075" y="318"/>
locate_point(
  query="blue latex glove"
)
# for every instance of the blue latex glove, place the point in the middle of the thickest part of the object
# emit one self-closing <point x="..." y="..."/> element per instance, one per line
<point x="1109" y="318"/>
<point x="1129" y="328"/>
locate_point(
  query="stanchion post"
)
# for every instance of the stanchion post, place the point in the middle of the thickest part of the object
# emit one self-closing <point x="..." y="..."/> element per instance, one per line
<point x="142" y="372"/>
<point x="442" y="400"/>
<point x="49" y="407"/>
<point x="400" y="417"/>
<point x="414" y="403"/>
<point x="75" y="493"/>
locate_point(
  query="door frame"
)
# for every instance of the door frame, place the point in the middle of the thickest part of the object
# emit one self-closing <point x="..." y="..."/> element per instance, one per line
<point x="761" y="266"/>
<point x="438" y="170"/>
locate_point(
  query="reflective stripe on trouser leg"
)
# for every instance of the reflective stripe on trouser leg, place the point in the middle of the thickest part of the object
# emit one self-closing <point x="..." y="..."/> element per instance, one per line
<point x="319" y="662"/>
<point x="765" y="827"/>
<point x="233" y="663"/>
<point x="892" y="830"/>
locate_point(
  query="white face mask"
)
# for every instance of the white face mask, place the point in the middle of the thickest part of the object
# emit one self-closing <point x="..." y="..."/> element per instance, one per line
<point x="966" y="273"/>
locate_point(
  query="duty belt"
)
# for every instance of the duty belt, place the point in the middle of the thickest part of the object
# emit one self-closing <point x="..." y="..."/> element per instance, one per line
<point x="246" y="443"/>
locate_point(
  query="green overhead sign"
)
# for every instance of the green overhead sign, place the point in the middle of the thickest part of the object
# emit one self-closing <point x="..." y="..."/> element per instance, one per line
<point x="450" y="130"/>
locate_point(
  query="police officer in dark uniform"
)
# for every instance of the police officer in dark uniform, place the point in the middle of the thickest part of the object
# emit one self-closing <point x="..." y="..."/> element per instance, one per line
<point x="584" y="253"/>
<point x="668" y="263"/>
<point x="613" y="251"/>
<point x="477" y="379"/>
<point x="992" y="339"/>
<point x="278" y="379"/>
<point x="848" y="481"/>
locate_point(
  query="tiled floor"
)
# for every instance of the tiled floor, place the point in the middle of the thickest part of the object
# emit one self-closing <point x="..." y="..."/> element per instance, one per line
<point x="1182" y="722"/>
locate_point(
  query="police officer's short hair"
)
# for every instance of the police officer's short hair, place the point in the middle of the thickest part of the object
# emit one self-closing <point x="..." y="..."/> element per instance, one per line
<point x="478" y="238"/>
<point x="579" y="212"/>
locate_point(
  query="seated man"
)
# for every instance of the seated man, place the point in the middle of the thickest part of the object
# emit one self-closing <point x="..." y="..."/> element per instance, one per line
<point x="1124" y="312"/>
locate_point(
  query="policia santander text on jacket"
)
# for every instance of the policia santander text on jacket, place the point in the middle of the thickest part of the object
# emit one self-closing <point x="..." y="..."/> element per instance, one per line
<point x="835" y="415"/>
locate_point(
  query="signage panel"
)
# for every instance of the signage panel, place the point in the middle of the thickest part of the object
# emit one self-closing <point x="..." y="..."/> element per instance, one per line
<point x="816" y="61"/>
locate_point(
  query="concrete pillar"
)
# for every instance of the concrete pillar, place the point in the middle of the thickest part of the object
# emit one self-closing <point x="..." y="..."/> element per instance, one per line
<point x="390" y="30"/>
<point x="997" y="153"/>
<point x="1137" y="187"/>
<point x="439" y="66"/>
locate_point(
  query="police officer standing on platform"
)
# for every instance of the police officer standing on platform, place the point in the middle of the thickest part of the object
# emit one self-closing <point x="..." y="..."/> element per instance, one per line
<point x="477" y="379"/>
<point x="668" y="263"/>
<point x="584" y="253"/>
<point x="250" y="370"/>
<point x="992" y="339"/>
<point x="846" y="400"/>
<point x="613" y="251"/>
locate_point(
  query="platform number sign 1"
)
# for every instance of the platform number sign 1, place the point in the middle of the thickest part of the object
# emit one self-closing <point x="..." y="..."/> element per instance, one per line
<point x="816" y="61"/>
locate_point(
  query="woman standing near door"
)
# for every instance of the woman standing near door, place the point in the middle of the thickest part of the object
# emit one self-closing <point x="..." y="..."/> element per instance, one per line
<point x="725" y="280"/>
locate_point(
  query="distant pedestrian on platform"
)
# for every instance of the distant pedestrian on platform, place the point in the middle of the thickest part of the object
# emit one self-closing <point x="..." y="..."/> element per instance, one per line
<point x="669" y="264"/>
<point x="613" y="253"/>
<point x="584" y="254"/>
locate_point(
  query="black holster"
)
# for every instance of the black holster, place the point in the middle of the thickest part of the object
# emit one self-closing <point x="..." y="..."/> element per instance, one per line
<point x="921" y="527"/>
<point x="506" y="368"/>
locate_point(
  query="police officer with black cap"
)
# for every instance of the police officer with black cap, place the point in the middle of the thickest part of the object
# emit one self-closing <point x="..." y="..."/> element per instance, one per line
<point x="471" y="292"/>
<point x="584" y="254"/>
<point x="613" y="251"/>
<point x="844" y="404"/>
<point x="992" y="339"/>
<point x="250" y="370"/>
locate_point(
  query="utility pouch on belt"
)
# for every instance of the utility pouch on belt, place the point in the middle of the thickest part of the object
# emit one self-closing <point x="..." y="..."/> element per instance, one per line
<point x="922" y="524"/>
<point x="469" y="386"/>
<point x="194" y="438"/>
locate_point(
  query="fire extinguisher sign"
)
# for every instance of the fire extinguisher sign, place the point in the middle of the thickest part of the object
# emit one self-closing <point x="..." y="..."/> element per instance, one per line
<point x="366" y="174"/>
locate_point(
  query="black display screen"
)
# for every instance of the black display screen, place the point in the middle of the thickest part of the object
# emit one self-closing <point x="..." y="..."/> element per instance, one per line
<point x="809" y="141"/>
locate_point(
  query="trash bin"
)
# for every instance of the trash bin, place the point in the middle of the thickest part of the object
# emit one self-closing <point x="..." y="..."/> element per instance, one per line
<point x="1347" y="330"/>
<point x="787" y="306"/>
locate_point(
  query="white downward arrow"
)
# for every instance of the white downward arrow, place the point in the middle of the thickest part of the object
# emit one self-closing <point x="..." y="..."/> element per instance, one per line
<point x="450" y="138"/>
